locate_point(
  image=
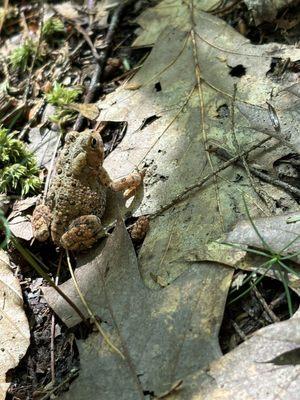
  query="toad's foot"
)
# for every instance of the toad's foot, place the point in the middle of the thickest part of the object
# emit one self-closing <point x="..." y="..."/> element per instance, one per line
<point x="40" y="221"/>
<point x="83" y="232"/>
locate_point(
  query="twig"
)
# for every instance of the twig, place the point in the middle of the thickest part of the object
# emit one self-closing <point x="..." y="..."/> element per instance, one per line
<point x="101" y="60"/>
<point x="27" y="256"/>
<point x="278" y="301"/>
<point x="4" y="13"/>
<point x="70" y="376"/>
<point x="26" y="92"/>
<point x="239" y="331"/>
<point x="222" y="153"/>
<point x="265" y="306"/>
<point x="199" y="83"/>
<point x="88" y="41"/>
<point x="182" y="196"/>
<point x="52" y="345"/>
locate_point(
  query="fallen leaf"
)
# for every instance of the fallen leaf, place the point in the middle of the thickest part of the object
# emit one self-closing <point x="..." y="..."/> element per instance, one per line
<point x="14" y="329"/>
<point x="90" y="111"/>
<point x="175" y="114"/>
<point x="164" y="334"/>
<point x="247" y="372"/>
<point x="21" y="227"/>
<point x="267" y="10"/>
<point x="280" y="235"/>
<point x="22" y="205"/>
<point x="67" y="10"/>
<point x="155" y="19"/>
<point x="19" y="222"/>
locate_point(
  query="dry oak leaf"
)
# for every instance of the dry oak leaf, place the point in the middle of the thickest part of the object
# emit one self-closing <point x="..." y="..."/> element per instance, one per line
<point x="14" y="328"/>
<point x="164" y="334"/>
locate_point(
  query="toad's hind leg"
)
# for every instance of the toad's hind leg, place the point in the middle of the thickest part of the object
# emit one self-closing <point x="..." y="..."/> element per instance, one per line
<point x="83" y="232"/>
<point x="41" y="220"/>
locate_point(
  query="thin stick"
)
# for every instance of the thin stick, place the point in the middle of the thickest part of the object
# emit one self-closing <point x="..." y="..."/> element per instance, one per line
<point x="265" y="306"/>
<point x="238" y="149"/>
<point x="34" y="58"/>
<point x="4" y="13"/>
<point x="70" y="376"/>
<point x="239" y="331"/>
<point x="276" y="182"/>
<point x="52" y="345"/>
<point x="27" y="256"/>
<point x="101" y="60"/>
<point x="183" y="195"/>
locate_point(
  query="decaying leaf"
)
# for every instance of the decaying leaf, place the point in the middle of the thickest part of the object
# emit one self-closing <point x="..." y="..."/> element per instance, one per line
<point x="164" y="334"/>
<point x="14" y="329"/>
<point x="251" y="370"/>
<point x="21" y="227"/>
<point x="19" y="221"/>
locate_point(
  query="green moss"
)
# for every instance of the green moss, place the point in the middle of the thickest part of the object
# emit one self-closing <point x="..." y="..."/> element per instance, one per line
<point x="60" y="96"/>
<point x="18" y="168"/>
<point x="21" y="57"/>
<point x="52" y="27"/>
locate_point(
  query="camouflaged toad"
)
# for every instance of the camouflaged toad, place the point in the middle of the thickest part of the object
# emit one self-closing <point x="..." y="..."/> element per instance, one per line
<point x="77" y="197"/>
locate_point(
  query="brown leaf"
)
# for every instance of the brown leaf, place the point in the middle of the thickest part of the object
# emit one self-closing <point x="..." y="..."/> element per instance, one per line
<point x="14" y="329"/>
<point x="90" y="111"/>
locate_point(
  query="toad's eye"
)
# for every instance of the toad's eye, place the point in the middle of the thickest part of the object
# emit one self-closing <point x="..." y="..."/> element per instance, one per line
<point x="94" y="143"/>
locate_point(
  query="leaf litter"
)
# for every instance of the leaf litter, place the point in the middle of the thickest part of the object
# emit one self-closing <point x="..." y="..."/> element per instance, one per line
<point x="196" y="67"/>
<point x="204" y="88"/>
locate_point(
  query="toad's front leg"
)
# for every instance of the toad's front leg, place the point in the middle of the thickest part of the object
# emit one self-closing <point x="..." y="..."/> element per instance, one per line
<point x="82" y="233"/>
<point x="131" y="181"/>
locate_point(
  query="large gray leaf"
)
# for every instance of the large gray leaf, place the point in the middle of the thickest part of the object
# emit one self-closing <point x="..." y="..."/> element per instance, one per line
<point x="164" y="334"/>
<point x="183" y="100"/>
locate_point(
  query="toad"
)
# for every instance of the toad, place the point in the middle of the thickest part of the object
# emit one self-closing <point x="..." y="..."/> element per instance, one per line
<point x="75" y="203"/>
